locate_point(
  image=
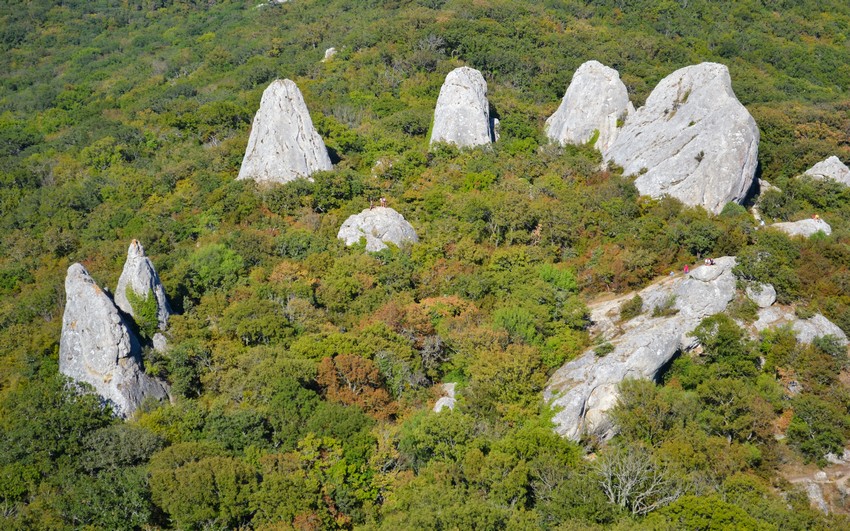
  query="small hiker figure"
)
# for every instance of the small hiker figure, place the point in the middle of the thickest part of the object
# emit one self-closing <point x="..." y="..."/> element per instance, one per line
<point x="711" y="261"/>
<point x="816" y="217"/>
<point x="707" y="261"/>
<point x="371" y="204"/>
<point x="687" y="269"/>
<point x="384" y="202"/>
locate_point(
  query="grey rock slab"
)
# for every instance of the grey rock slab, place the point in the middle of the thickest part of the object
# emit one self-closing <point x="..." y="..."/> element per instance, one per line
<point x="831" y="168"/>
<point x="283" y="145"/>
<point x="379" y="225"/>
<point x="594" y="101"/>
<point x="693" y="140"/>
<point x="804" y="227"/>
<point x="585" y="389"/>
<point x="139" y="276"/>
<point x="329" y="54"/>
<point x="462" y="113"/>
<point x="96" y="346"/>
<point x="806" y="330"/>
<point x="762" y="294"/>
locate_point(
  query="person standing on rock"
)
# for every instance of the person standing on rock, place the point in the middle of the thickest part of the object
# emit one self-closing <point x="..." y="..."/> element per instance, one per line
<point x="384" y="202"/>
<point x="687" y="269"/>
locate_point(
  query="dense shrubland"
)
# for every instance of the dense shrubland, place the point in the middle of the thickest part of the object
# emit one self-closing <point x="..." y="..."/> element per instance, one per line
<point x="302" y="371"/>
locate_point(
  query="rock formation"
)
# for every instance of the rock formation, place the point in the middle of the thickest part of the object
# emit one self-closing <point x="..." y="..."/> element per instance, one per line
<point x="831" y="168"/>
<point x="804" y="227"/>
<point x="762" y="294"/>
<point x="447" y="401"/>
<point x="806" y="330"/>
<point x="379" y="225"/>
<point x="329" y="54"/>
<point x="693" y="140"/>
<point x="97" y="347"/>
<point x="462" y="114"/>
<point x="583" y="390"/>
<point x="283" y="145"/>
<point x="140" y="277"/>
<point x="593" y="104"/>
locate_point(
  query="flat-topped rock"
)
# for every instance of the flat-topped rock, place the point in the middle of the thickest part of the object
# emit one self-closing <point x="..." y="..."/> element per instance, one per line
<point x="693" y="140"/>
<point x="283" y="145"/>
<point x="380" y="226"/>
<point x="804" y="227"/>
<point x="585" y="389"/>
<point x="806" y="330"/>
<point x="139" y="276"/>
<point x="594" y="102"/>
<point x="462" y="114"/>
<point x="831" y="168"/>
<point x="97" y="347"/>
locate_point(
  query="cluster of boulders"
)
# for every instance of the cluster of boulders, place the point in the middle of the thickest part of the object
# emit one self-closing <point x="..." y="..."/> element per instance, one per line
<point x="98" y="345"/>
<point x="585" y="389"/>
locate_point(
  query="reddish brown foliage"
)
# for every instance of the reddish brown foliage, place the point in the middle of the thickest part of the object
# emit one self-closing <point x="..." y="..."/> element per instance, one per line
<point x="353" y="380"/>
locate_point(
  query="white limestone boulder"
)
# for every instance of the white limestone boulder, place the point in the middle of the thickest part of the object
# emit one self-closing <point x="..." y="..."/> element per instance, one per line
<point x="462" y="114"/>
<point x="831" y="168"/>
<point x="585" y="389"/>
<point x="693" y="140"/>
<point x="806" y="330"/>
<point x="283" y="145"/>
<point x="594" y="102"/>
<point x="380" y="226"/>
<point x="139" y="276"/>
<point x="763" y="295"/>
<point x="447" y="401"/>
<point x="96" y="347"/>
<point x="804" y="227"/>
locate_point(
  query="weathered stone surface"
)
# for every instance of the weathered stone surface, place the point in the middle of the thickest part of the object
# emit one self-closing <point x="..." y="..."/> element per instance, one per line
<point x="806" y="330"/>
<point x="462" y="114"/>
<point x="804" y="227"/>
<point x="693" y="140"/>
<point x="283" y="145"/>
<point x="595" y="100"/>
<point x="585" y="389"/>
<point x="448" y="398"/>
<point x="763" y="294"/>
<point x="97" y="347"/>
<point x="831" y="168"/>
<point x="765" y="186"/>
<point x="379" y="225"/>
<point x="329" y="54"/>
<point x="140" y="276"/>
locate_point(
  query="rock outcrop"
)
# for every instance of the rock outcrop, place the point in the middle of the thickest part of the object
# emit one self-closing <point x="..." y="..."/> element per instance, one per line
<point x="806" y="330"/>
<point x="283" y="145"/>
<point x="447" y="401"/>
<point x="804" y="227"/>
<point x="139" y="276"/>
<point x="593" y="104"/>
<point x="329" y="54"/>
<point x="97" y="347"/>
<point x="762" y="294"/>
<point x="380" y="226"/>
<point x="831" y="168"/>
<point x="462" y="114"/>
<point x="583" y="390"/>
<point x="693" y="140"/>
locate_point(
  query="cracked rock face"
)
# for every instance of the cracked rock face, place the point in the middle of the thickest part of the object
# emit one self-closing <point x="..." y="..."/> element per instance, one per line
<point x="831" y="168"/>
<point x="140" y="276"/>
<point x="380" y="225"/>
<point x="693" y="140"/>
<point x="595" y="100"/>
<point x="462" y="114"/>
<point x="585" y="389"/>
<point x="97" y="347"/>
<point x="283" y="145"/>
<point x="804" y="227"/>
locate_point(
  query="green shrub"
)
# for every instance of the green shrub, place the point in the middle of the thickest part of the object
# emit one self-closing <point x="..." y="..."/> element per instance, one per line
<point x="631" y="308"/>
